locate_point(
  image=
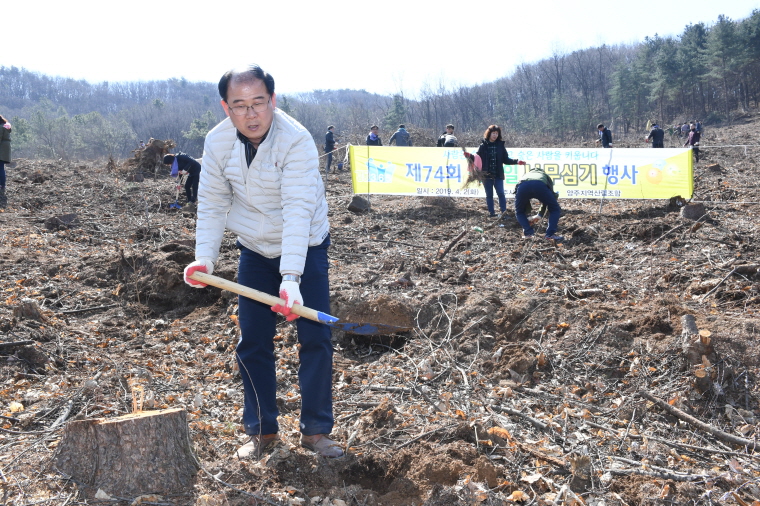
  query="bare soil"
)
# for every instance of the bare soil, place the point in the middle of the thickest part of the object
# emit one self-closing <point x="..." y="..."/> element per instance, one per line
<point x="519" y="382"/>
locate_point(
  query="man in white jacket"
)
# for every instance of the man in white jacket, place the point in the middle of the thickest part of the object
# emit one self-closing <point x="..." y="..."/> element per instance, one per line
<point x="261" y="180"/>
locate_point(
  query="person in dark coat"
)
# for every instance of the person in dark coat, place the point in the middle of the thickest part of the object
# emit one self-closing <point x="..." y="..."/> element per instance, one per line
<point x="186" y="164"/>
<point x="605" y="136"/>
<point x="537" y="184"/>
<point x="5" y="149"/>
<point x="329" y="147"/>
<point x="373" y="139"/>
<point x="693" y="142"/>
<point x="401" y="137"/>
<point x="494" y="156"/>
<point x="657" y="136"/>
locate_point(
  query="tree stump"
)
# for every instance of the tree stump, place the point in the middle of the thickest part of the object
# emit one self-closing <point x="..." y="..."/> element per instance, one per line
<point x="132" y="455"/>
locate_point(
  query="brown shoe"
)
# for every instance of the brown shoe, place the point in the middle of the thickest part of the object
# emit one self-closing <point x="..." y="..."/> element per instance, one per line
<point x="323" y="445"/>
<point x="256" y="446"/>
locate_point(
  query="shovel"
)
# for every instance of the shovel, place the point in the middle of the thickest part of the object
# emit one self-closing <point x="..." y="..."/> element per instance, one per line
<point x="366" y="329"/>
<point x="176" y="204"/>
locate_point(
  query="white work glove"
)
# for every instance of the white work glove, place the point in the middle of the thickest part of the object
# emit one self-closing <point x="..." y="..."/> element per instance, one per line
<point x="533" y="220"/>
<point x="203" y="264"/>
<point x="291" y="294"/>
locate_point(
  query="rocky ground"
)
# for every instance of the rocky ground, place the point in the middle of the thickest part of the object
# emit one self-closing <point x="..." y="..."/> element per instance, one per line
<point x="619" y="367"/>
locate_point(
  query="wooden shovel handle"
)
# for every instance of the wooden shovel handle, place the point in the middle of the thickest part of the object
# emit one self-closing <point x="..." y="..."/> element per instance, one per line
<point x="269" y="300"/>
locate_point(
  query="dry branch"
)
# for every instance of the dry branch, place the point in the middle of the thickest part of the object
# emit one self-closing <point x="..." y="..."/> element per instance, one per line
<point x="540" y="455"/>
<point x="85" y="309"/>
<point x="15" y="344"/>
<point x="536" y="423"/>
<point x="718" y="285"/>
<point x="723" y="436"/>
<point x="678" y="227"/>
<point x="451" y="245"/>
<point x="658" y="474"/>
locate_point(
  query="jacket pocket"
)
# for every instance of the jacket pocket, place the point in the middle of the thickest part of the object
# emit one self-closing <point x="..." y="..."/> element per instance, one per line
<point x="268" y="173"/>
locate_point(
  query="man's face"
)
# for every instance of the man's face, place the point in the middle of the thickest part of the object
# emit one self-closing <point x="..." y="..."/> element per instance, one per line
<point x="449" y="130"/>
<point x="374" y="130"/>
<point x="253" y="125"/>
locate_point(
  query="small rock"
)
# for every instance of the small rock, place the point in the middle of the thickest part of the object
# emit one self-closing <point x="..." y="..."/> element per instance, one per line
<point x="62" y="222"/>
<point x="359" y="205"/>
<point x="29" y="309"/>
<point x="693" y="211"/>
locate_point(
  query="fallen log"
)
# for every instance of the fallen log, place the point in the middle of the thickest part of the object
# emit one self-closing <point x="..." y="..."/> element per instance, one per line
<point x="131" y="455"/>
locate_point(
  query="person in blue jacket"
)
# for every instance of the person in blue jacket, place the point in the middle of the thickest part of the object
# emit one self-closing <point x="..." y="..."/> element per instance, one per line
<point x="537" y="184"/>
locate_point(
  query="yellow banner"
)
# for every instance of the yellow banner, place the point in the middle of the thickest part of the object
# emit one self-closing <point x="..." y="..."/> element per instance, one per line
<point x="577" y="173"/>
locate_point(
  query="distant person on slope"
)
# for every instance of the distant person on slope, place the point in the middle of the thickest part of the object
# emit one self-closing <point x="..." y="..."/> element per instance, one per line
<point x="693" y="141"/>
<point x="5" y="149"/>
<point x="605" y="136"/>
<point x="657" y="136"/>
<point x="186" y="164"/>
<point x="447" y="139"/>
<point x="401" y="137"/>
<point x="373" y="139"/>
<point x="494" y="156"/>
<point x="329" y="147"/>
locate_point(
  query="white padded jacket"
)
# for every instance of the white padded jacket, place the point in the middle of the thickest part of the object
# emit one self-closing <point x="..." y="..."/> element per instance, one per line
<point x="277" y="206"/>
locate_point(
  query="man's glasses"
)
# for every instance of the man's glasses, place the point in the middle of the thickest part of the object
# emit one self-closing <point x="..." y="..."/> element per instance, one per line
<point x="257" y="107"/>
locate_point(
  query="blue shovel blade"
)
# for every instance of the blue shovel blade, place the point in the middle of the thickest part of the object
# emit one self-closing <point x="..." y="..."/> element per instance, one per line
<point x="365" y="329"/>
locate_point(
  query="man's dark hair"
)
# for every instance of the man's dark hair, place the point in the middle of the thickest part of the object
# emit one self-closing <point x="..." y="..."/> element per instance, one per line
<point x="168" y="159"/>
<point x="402" y="126"/>
<point x="245" y="74"/>
<point x="450" y="126"/>
<point x="330" y="127"/>
<point x="599" y="126"/>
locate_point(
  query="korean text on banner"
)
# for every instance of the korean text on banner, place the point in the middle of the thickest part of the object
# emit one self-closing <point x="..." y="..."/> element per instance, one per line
<point x="577" y="173"/>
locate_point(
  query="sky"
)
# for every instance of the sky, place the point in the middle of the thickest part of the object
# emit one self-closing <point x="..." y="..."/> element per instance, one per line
<point x="382" y="47"/>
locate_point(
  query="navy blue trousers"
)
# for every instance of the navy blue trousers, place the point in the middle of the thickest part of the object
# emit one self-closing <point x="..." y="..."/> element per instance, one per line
<point x="498" y="184"/>
<point x="191" y="187"/>
<point x="535" y="189"/>
<point x="255" y="351"/>
<point x="2" y="174"/>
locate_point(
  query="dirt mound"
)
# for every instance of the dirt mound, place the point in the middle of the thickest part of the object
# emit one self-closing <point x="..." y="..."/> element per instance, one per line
<point x="148" y="159"/>
<point x="383" y="310"/>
